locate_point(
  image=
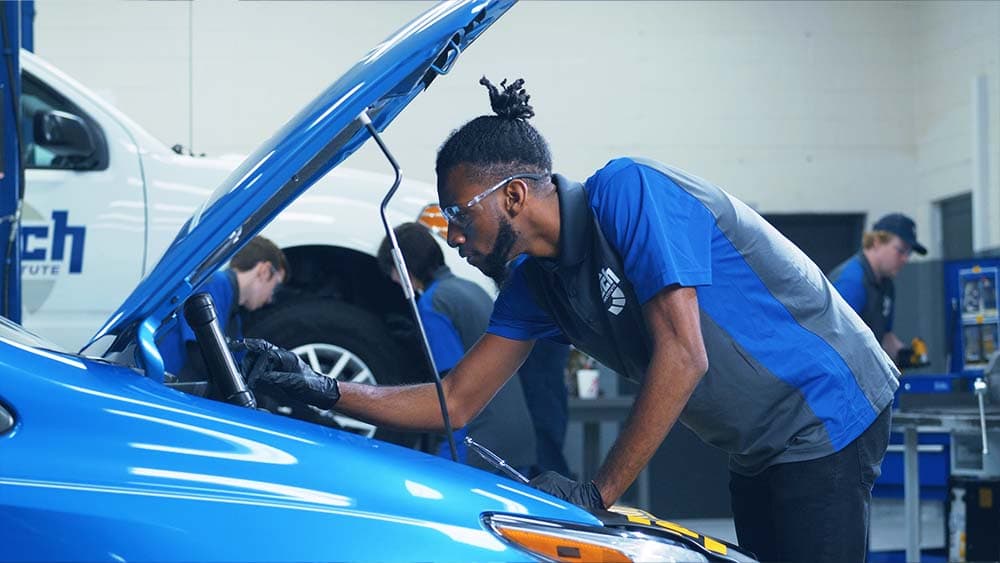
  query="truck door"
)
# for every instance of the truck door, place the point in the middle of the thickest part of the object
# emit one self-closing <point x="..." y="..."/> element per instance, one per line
<point x="84" y="217"/>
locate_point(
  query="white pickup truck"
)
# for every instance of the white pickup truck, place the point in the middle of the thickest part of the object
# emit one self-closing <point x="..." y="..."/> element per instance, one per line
<point x="104" y="199"/>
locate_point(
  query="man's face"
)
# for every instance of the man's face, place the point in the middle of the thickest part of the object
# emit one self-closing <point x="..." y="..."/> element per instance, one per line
<point x="265" y="281"/>
<point x="890" y="257"/>
<point x="482" y="233"/>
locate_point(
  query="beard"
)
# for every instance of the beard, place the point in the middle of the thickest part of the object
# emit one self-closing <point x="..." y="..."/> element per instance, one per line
<point x="496" y="263"/>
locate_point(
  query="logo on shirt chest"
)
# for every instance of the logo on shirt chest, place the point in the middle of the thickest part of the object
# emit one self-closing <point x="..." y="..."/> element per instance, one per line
<point x="611" y="291"/>
<point x="886" y="306"/>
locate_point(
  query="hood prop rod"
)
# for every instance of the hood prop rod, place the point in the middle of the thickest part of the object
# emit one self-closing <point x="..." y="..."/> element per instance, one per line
<point x="404" y="279"/>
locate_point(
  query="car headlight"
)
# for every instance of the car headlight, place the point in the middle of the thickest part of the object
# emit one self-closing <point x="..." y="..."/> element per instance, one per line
<point x="573" y="544"/>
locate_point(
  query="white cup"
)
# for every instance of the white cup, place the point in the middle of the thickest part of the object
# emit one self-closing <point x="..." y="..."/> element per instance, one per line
<point x="588" y="383"/>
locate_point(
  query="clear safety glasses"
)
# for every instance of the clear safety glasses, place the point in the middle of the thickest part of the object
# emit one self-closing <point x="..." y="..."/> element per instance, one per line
<point x="458" y="214"/>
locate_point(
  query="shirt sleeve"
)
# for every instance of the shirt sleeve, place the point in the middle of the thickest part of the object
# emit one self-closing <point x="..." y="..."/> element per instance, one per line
<point x="662" y="232"/>
<point x="221" y="291"/>
<point x="446" y="346"/>
<point x="516" y="314"/>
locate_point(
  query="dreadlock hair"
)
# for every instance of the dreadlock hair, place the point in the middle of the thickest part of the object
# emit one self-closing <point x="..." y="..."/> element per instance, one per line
<point x="422" y="253"/>
<point x="498" y="145"/>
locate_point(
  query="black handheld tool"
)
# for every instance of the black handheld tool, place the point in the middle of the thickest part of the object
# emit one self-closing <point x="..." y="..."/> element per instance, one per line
<point x="200" y="314"/>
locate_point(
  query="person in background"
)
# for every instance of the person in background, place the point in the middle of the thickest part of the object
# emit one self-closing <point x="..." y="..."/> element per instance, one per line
<point x="865" y="280"/>
<point x="455" y="313"/>
<point x="249" y="283"/>
<point x="544" y="381"/>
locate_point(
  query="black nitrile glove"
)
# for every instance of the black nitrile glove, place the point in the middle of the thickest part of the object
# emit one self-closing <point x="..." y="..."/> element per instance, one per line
<point x="310" y="388"/>
<point x="266" y="366"/>
<point x="583" y="494"/>
<point x="262" y="356"/>
<point x="913" y="356"/>
<point x="904" y="358"/>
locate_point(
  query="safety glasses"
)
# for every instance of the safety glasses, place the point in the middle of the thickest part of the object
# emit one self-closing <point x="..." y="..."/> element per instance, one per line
<point x="274" y="274"/>
<point x="458" y="214"/>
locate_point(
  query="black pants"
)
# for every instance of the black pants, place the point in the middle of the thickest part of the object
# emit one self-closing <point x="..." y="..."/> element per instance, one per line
<point x="812" y="511"/>
<point x="545" y="395"/>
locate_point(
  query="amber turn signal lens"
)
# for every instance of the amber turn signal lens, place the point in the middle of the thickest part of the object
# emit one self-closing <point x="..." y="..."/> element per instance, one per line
<point x="561" y="548"/>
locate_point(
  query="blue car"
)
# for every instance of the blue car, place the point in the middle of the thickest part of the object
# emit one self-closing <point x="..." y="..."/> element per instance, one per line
<point x="103" y="457"/>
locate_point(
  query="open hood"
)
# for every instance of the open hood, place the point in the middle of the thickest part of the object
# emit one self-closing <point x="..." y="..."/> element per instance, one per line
<point x="319" y="137"/>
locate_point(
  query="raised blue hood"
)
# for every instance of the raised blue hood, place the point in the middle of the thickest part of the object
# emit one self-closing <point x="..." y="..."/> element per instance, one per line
<point x="318" y="138"/>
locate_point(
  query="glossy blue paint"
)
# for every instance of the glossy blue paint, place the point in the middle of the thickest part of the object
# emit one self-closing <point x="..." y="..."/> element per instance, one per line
<point x="105" y="464"/>
<point x="152" y="359"/>
<point x="318" y="138"/>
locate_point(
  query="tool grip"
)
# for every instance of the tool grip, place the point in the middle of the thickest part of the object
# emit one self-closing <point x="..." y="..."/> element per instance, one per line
<point x="199" y="311"/>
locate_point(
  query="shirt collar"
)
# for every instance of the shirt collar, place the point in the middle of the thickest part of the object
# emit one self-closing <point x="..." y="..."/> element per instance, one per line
<point x="234" y="284"/>
<point x="575" y="223"/>
<point x="867" y="268"/>
<point x="442" y="273"/>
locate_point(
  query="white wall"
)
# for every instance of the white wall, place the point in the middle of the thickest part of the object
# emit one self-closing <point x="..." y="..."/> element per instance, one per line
<point x="795" y="107"/>
<point x="954" y="43"/>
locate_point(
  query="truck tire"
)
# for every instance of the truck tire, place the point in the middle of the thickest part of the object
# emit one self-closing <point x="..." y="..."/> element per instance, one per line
<point x="333" y="336"/>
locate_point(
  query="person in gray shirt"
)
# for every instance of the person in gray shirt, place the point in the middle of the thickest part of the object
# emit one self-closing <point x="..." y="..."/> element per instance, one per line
<point x="455" y="313"/>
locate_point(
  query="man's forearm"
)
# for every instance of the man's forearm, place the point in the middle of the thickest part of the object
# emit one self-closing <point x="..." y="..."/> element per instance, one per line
<point x="469" y="386"/>
<point x="404" y="407"/>
<point x="891" y="344"/>
<point x="656" y="409"/>
<point x="677" y="364"/>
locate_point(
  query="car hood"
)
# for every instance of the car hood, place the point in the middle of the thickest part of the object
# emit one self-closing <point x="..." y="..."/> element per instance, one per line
<point x="167" y="473"/>
<point x="319" y="137"/>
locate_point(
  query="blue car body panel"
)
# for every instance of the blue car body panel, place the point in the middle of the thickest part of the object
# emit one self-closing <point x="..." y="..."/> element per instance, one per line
<point x="104" y="462"/>
<point x="315" y="140"/>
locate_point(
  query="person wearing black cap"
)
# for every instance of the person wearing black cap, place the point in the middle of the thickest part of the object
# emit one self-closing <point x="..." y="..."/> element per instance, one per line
<point x="865" y="280"/>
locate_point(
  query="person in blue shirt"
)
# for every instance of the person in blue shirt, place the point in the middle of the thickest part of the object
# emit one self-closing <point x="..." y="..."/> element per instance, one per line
<point x="455" y="313"/>
<point x="865" y="280"/>
<point x="674" y="283"/>
<point x="249" y="283"/>
<point x="543" y="378"/>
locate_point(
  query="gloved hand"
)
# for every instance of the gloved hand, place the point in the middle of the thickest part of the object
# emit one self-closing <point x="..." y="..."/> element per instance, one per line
<point x="904" y="358"/>
<point x="266" y="366"/>
<point x="586" y="494"/>
<point x="913" y="356"/>
<point x="310" y="388"/>
<point x="262" y="356"/>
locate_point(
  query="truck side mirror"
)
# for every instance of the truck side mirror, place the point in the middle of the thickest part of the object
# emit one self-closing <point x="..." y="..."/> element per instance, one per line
<point x="64" y="134"/>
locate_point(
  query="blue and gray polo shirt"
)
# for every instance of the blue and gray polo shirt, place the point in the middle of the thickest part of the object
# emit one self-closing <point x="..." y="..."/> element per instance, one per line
<point x="794" y="374"/>
<point x="870" y="297"/>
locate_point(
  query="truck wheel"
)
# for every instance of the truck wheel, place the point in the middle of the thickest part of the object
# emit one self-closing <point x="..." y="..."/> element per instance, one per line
<point x="338" y="340"/>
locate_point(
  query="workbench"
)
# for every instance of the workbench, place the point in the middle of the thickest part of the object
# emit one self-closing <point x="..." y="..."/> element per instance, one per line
<point x="911" y="421"/>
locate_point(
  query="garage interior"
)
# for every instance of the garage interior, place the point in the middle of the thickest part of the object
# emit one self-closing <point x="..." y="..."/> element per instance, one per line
<point x="822" y="116"/>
